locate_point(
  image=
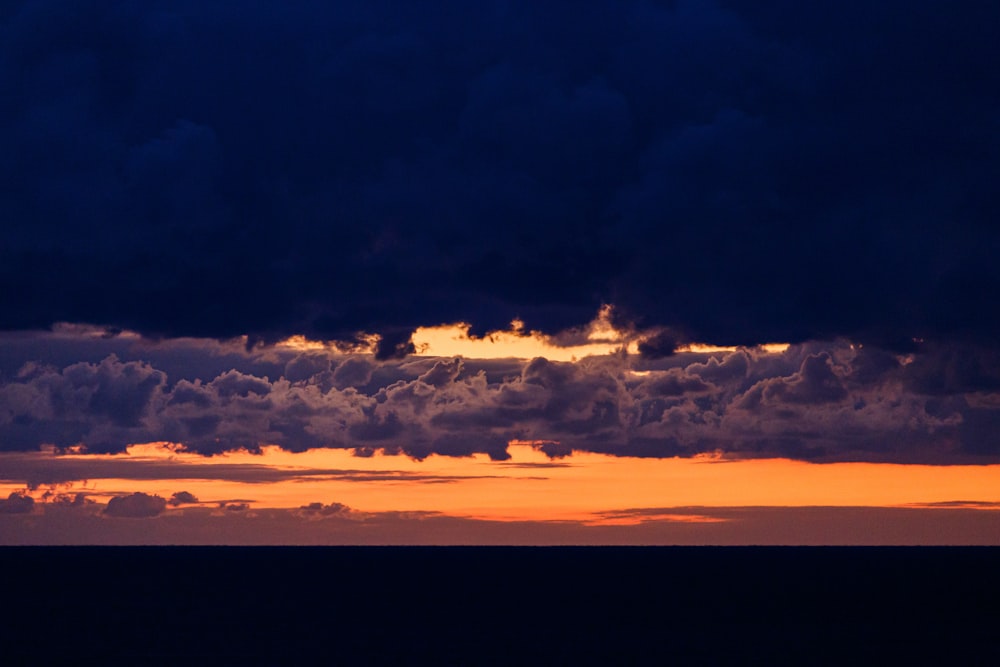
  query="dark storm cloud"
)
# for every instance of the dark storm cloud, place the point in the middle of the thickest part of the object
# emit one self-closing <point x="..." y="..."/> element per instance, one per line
<point x="748" y="173"/>
<point x="822" y="401"/>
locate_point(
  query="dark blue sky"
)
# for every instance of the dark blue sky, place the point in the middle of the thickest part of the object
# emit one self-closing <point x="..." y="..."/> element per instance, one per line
<point x="741" y="174"/>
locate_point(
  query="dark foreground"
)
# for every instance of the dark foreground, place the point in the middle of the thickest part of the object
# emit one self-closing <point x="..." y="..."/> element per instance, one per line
<point x="504" y="606"/>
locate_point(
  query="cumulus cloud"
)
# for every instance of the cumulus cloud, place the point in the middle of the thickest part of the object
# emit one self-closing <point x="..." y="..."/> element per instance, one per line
<point x="332" y="509"/>
<point x="101" y="404"/>
<point x="182" y="498"/>
<point x="66" y="499"/>
<point x="17" y="503"/>
<point x="136" y="506"/>
<point x="822" y="401"/>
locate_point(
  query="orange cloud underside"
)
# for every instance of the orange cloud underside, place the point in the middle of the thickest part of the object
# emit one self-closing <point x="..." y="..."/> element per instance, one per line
<point x="593" y="488"/>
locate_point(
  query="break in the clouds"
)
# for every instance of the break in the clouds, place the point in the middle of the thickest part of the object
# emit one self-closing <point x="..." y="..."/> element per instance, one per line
<point x="744" y="172"/>
<point x="833" y="401"/>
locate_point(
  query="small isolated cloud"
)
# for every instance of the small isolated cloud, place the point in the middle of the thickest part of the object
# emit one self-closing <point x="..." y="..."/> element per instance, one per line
<point x="182" y="498"/>
<point x="234" y="507"/>
<point x="136" y="506"/>
<point x="17" y="503"/>
<point x="325" y="510"/>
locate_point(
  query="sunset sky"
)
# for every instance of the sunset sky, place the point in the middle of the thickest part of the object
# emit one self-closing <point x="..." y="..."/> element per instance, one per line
<point x="500" y="272"/>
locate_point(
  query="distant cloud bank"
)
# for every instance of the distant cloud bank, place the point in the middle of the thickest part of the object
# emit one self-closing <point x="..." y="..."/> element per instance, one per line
<point x="832" y="401"/>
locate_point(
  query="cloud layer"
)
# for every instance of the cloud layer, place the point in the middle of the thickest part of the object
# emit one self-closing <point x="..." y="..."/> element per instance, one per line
<point x="747" y="174"/>
<point x="817" y="401"/>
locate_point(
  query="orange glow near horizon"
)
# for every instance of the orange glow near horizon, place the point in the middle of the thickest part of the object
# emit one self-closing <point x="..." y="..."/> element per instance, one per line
<point x="453" y="340"/>
<point x="704" y="348"/>
<point x="598" y="338"/>
<point x="585" y="487"/>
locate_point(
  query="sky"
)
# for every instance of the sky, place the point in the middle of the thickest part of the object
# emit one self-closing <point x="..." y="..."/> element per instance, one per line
<point x="589" y="272"/>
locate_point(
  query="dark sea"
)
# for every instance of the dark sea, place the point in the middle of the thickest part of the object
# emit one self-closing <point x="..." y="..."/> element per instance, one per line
<point x="500" y="606"/>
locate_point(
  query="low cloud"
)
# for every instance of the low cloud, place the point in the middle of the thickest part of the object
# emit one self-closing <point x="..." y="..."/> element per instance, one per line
<point x="234" y="507"/>
<point x="17" y="503"/>
<point x="136" y="506"/>
<point x="821" y="401"/>
<point x="332" y="509"/>
<point x="182" y="498"/>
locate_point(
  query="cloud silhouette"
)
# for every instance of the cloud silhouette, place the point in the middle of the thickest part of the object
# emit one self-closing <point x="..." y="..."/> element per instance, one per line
<point x="182" y="498"/>
<point x="135" y="506"/>
<point x="17" y="503"/>
<point x="819" y="401"/>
